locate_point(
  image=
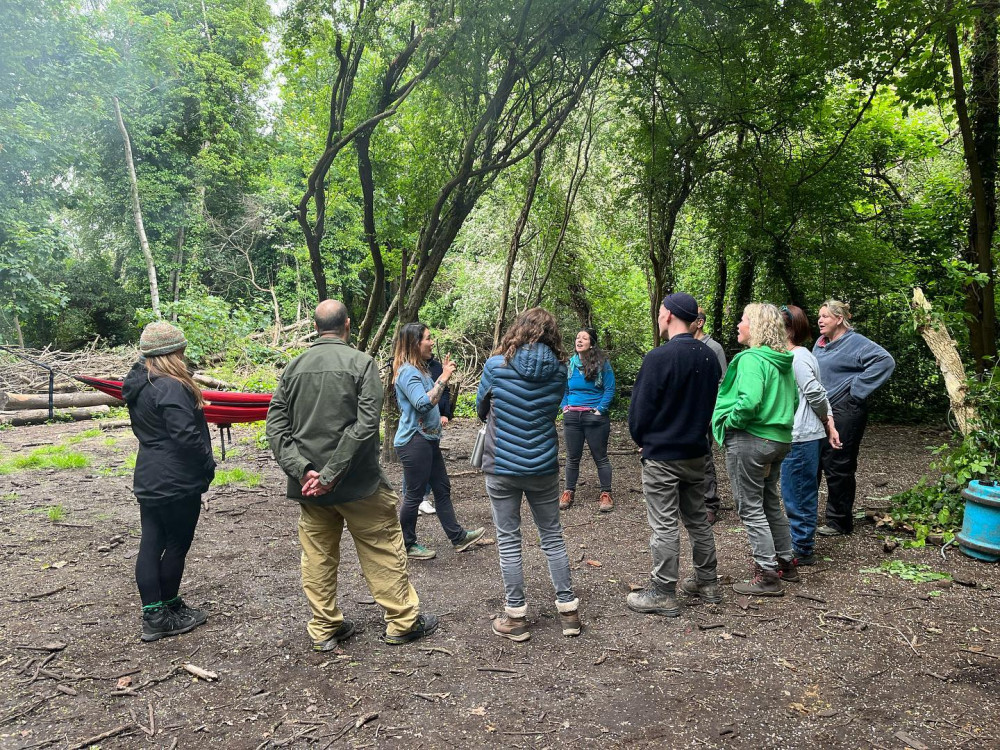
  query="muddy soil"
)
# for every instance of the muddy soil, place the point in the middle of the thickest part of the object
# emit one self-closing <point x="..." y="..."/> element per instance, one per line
<point x="847" y="659"/>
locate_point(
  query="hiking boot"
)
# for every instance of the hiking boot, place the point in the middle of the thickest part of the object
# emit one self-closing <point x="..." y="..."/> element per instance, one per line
<point x="426" y="508"/>
<point x="809" y="559"/>
<point x="565" y="499"/>
<point x="569" y="617"/>
<point x="345" y="631"/>
<point x="762" y="583"/>
<point x="185" y="613"/>
<point x="513" y="624"/>
<point x="788" y="570"/>
<point x="420" y="552"/>
<point x="652" y="601"/>
<point x="469" y="538"/>
<point x="709" y="591"/>
<point x="605" y="503"/>
<point x="159" y="622"/>
<point x="425" y="625"/>
<point x="828" y="530"/>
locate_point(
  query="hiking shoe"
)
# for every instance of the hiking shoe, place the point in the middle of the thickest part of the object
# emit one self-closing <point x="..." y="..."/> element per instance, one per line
<point x="185" y="613"/>
<point x="828" y="530"/>
<point x="652" y="601"/>
<point x="565" y="499"/>
<point x="788" y="570"/>
<point x="569" y="617"/>
<point x="420" y="552"/>
<point x="512" y="624"/>
<point x="345" y="631"/>
<point x="425" y="625"/>
<point x="160" y="622"/>
<point x="809" y="559"/>
<point x="469" y="538"/>
<point x="426" y="508"/>
<point x="605" y="503"/>
<point x="709" y="591"/>
<point x="762" y="583"/>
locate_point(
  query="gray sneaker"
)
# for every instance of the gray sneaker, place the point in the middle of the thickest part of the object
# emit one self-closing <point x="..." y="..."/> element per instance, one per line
<point x="345" y="631"/>
<point x="653" y="601"/>
<point x="708" y="591"/>
<point x="420" y="552"/>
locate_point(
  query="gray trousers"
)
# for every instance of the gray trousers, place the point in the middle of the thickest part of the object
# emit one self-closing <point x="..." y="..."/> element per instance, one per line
<point x="674" y="489"/>
<point x="710" y="487"/>
<point x="754" y="466"/>
<point x="542" y="493"/>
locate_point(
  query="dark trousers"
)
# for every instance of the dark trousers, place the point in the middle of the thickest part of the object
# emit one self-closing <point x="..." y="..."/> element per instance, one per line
<point x="595" y="429"/>
<point x="710" y="487"/>
<point x="841" y="466"/>
<point x="167" y="531"/>
<point x="422" y="464"/>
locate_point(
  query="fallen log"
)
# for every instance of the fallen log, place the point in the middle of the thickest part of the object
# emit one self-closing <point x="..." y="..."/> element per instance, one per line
<point x="40" y="416"/>
<point x="210" y="382"/>
<point x="22" y="401"/>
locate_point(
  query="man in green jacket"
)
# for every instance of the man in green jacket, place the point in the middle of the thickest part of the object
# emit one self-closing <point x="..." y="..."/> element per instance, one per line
<point x="323" y="428"/>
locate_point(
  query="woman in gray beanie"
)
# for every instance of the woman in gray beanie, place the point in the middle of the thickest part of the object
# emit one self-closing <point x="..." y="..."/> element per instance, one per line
<point x="173" y="469"/>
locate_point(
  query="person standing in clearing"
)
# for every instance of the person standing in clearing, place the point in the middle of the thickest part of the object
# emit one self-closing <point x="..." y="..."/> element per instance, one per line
<point x="668" y="418"/>
<point x="173" y="468"/>
<point x="590" y="388"/>
<point x="323" y="428"/>
<point x="518" y="398"/>
<point x="447" y="409"/>
<point x="852" y="368"/>
<point x="712" y="502"/>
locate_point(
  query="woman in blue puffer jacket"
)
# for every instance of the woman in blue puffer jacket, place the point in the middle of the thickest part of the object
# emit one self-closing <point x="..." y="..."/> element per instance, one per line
<point x="518" y="398"/>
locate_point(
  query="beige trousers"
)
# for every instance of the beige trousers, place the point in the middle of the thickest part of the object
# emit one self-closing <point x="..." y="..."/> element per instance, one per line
<point x="378" y="538"/>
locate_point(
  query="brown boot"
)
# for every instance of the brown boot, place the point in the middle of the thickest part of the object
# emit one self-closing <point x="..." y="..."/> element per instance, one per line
<point x="788" y="570"/>
<point x="605" y="503"/>
<point x="569" y="617"/>
<point x="565" y="499"/>
<point x="762" y="583"/>
<point x="513" y="624"/>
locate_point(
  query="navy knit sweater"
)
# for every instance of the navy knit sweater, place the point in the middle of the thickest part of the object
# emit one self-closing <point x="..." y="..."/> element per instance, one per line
<point x="673" y="398"/>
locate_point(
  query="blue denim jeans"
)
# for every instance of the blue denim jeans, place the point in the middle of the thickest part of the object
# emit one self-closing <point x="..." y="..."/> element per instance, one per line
<point x="800" y="491"/>
<point x="542" y="493"/>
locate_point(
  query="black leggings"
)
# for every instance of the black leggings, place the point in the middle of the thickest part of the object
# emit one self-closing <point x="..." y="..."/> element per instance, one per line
<point x="595" y="429"/>
<point x="167" y="531"/>
<point x="423" y="464"/>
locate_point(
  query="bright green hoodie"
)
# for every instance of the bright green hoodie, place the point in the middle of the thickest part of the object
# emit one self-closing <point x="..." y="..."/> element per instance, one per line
<point x="758" y="395"/>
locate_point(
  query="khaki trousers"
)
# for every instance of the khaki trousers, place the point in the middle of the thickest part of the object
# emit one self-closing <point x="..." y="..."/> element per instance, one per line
<point x="374" y="525"/>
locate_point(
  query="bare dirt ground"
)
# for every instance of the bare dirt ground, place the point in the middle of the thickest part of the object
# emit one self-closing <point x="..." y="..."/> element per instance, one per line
<point x="847" y="659"/>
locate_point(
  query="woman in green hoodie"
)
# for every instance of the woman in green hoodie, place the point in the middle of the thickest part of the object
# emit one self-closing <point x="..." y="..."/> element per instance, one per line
<point x="753" y="421"/>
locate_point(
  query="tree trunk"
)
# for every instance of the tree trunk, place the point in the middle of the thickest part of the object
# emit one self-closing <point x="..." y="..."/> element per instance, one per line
<point x="40" y="416"/>
<point x="21" y="401"/>
<point x="175" y="280"/>
<point x="742" y="296"/>
<point x="719" y="300"/>
<point x="18" y="331"/>
<point x="154" y="291"/>
<point x="362" y="144"/>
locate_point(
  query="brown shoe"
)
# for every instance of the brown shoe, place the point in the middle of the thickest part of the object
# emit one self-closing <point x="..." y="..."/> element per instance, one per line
<point x="606" y="504"/>
<point x="569" y="617"/>
<point x="565" y="499"/>
<point x="513" y="624"/>
<point x="762" y="583"/>
<point x="788" y="570"/>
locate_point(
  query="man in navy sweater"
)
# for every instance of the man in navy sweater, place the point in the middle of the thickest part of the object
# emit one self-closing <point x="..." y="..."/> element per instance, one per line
<point x="672" y="403"/>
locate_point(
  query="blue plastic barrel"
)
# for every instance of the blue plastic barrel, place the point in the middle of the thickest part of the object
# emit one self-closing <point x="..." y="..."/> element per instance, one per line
<point x="980" y="535"/>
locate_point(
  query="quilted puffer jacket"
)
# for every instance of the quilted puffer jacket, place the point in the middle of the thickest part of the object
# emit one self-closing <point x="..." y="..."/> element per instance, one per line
<point x="519" y="402"/>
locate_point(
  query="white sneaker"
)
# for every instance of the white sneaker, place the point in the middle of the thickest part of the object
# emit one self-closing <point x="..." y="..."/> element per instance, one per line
<point x="427" y="508"/>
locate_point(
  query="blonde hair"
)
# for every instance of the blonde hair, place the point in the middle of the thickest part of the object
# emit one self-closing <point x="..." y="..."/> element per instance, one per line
<point x="839" y="309"/>
<point x="406" y="348"/>
<point x="767" y="326"/>
<point x="173" y="366"/>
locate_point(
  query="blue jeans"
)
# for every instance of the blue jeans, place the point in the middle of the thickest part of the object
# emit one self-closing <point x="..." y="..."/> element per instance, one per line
<point x="800" y="491"/>
<point x="542" y="493"/>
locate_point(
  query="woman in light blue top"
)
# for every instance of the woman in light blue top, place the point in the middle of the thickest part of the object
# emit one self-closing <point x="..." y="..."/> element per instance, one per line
<point x="590" y="388"/>
<point x="418" y="439"/>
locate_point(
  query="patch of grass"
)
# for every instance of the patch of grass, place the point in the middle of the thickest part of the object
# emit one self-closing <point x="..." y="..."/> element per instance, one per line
<point x="56" y="513"/>
<point x="110" y="441"/>
<point x="114" y="412"/>
<point x="46" y="457"/>
<point x="81" y="436"/>
<point x="9" y="496"/>
<point x="6" y="426"/>
<point x="256" y="437"/>
<point x="131" y="459"/>
<point x="224" y="477"/>
<point x="915" y="572"/>
<point x="231" y="451"/>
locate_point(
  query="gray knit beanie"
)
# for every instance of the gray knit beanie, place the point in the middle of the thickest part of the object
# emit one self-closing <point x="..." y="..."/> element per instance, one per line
<point x="161" y="338"/>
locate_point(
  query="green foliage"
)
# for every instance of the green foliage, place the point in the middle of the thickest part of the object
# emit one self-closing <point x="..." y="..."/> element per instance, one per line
<point x="465" y="405"/>
<point x="914" y="572"/>
<point x="46" y="457"/>
<point x="56" y="513"/>
<point x="226" y="477"/>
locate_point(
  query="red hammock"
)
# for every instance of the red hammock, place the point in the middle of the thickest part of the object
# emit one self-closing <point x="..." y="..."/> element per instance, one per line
<point x="223" y="408"/>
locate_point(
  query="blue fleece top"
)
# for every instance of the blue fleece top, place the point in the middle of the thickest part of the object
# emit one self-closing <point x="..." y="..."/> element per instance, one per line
<point x="416" y="412"/>
<point x="594" y="394"/>
<point x="852" y="366"/>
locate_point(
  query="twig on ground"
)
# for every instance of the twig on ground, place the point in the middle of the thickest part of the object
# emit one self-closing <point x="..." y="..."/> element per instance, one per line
<point x="39" y="595"/>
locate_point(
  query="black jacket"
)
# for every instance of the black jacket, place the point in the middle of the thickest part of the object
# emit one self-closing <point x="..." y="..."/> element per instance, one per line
<point x="445" y="406"/>
<point x="175" y="451"/>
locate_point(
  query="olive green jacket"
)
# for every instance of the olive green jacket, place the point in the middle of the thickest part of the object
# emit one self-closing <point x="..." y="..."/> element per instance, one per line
<point x="324" y="416"/>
